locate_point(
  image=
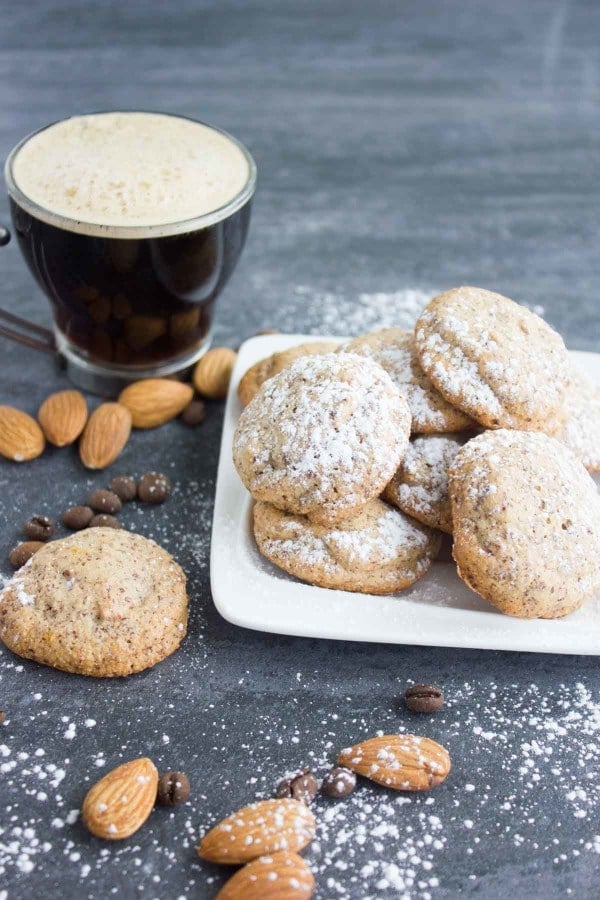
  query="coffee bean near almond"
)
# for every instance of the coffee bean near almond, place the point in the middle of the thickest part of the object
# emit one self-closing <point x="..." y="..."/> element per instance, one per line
<point x="154" y="487"/>
<point x="77" y="517"/>
<point x="124" y="487"/>
<point x="424" y="698"/>
<point x="338" y="782"/>
<point x="22" y="553"/>
<point x="105" y="502"/>
<point x="103" y="520"/>
<point x="173" y="788"/>
<point x="194" y="414"/>
<point x="303" y="787"/>
<point x="38" y="528"/>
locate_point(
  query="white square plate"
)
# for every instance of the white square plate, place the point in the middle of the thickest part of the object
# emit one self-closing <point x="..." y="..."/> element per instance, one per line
<point x="438" y="611"/>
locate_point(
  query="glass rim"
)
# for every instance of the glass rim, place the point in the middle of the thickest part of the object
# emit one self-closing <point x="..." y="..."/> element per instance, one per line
<point x="124" y="232"/>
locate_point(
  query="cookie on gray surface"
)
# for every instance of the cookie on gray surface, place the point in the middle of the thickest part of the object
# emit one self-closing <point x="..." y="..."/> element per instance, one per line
<point x="394" y="350"/>
<point x="323" y="437"/>
<point x="101" y="602"/>
<point x="420" y="485"/>
<point x="526" y="519"/>
<point x="255" y="377"/>
<point x="495" y="360"/>
<point x="378" y="551"/>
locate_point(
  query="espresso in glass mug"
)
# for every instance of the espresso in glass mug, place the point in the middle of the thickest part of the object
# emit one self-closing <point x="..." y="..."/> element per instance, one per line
<point x="132" y="223"/>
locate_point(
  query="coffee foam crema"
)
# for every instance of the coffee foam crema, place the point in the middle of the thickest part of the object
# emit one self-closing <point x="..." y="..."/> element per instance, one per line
<point x="126" y="169"/>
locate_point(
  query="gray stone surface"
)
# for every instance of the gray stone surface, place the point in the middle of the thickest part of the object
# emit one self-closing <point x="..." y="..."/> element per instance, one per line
<point x="401" y="148"/>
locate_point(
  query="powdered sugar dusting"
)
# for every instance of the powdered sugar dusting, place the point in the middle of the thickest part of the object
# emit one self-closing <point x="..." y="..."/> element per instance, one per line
<point x="323" y="435"/>
<point x="582" y="428"/>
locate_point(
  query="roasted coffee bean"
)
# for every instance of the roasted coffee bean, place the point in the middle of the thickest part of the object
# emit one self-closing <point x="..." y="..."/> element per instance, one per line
<point x="303" y="787"/>
<point x="338" y="782"/>
<point x="38" y="528"/>
<point x="424" y="698"/>
<point x="20" y="554"/>
<point x="124" y="487"/>
<point x="77" y="517"/>
<point x="173" y="788"/>
<point x="105" y="502"/>
<point x="194" y="414"/>
<point x="154" y="487"/>
<point x="103" y="520"/>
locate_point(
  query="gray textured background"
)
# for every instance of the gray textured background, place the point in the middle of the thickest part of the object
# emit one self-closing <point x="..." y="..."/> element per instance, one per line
<point x="409" y="145"/>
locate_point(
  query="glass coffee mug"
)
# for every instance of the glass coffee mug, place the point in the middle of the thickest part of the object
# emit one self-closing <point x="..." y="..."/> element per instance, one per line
<point x="132" y="224"/>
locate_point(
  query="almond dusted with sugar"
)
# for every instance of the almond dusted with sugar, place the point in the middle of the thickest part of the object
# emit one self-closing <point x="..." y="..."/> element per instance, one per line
<point x="105" y="435"/>
<point x="154" y="401"/>
<point x="402" y="762"/>
<point x="279" y="876"/>
<point x="63" y="416"/>
<point x="117" y="805"/>
<point x="256" y="829"/>
<point x="213" y="372"/>
<point x="21" y="438"/>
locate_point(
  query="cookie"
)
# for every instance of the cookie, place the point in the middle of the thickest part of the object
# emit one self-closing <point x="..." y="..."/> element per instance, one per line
<point x="526" y="520"/>
<point x="495" y="360"/>
<point x="581" y="431"/>
<point x="377" y="551"/>
<point x="420" y="486"/>
<point x="323" y="437"/>
<point x="393" y="349"/>
<point x="261" y="371"/>
<point x="101" y="602"/>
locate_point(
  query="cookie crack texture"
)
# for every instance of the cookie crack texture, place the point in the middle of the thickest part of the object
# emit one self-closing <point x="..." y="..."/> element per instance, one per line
<point x="494" y="359"/>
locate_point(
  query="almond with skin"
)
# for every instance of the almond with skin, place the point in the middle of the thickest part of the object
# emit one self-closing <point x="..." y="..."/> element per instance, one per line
<point x="105" y="435"/>
<point x="117" y="805"/>
<point x="21" y="438"/>
<point x="402" y="762"/>
<point x="155" y="401"/>
<point x="213" y="372"/>
<point x="258" y="829"/>
<point x="63" y="416"/>
<point x="279" y="876"/>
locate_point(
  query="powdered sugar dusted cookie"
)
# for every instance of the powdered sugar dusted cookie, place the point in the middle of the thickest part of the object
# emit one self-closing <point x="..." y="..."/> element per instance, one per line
<point x="261" y="371"/>
<point x="323" y="437"/>
<point x="101" y="602"/>
<point x="377" y="551"/>
<point x="420" y="486"/>
<point x="581" y="431"/>
<point x="393" y="349"/>
<point x="526" y="520"/>
<point x="497" y="361"/>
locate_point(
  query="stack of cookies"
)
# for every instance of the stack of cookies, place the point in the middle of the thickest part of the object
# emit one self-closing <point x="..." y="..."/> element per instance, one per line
<point x="475" y="424"/>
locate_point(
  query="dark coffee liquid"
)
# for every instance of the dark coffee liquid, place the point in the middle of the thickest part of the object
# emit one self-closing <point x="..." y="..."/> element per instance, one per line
<point x="132" y="302"/>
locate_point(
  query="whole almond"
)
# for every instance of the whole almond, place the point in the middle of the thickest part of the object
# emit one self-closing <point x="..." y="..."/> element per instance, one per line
<point x="106" y="433"/>
<point x="117" y="805"/>
<point x="21" y="438"/>
<point x="63" y="416"/>
<point x="259" y="828"/>
<point x="403" y="762"/>
<point x="213" y="372"/>
<point x="155" y="401"/>
<point x="279" y="876"/>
